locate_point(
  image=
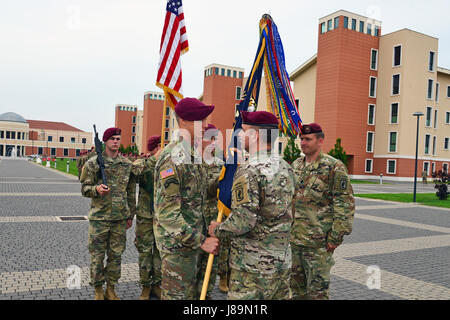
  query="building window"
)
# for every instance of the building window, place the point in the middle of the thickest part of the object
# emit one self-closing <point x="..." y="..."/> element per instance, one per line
<point x="395" y="84"/>
<point x="426" y="167"/>
<point x="167" y="123"/>
<point x="369" y="163"/>
<point x="397" y="56"/>
<point x="66" y="152"/>
<point x="234" y="74"/>
<point x="437" y="92"/>
<point x="8" y="134"/>
<point x="369" y="29"/>
<point x="431" y="61"/>
<point x="133" y="139"/>
<point x="394" y="113"/>
<point x="238" y="93"/>
<point x="377" y="31"/>
<point x="446" y="140"/>
<point x="361" y="26"/>
<point x="133" y="129"/>
<point x="445" y="167"/>
<point x="222" y="71"/>
<point x="18" y="135"/>
<point x="61" y="139"/>
<point x="369" y="143"/>
<point x="166" y="135"/>
<point x="346" y="22"/>
<point x="447" y="117"/>
<point x="329" y="24"/>
<point x="392" y="141"/>
<point x="427" y="144"/>
<point x="2" y="134"/>
<point x="167" y="111"/>
<point x="391" y="164"/>
<point x="435" y="119"/>
<point x="448" y="91"/>
<point x="433" y="167"/>
<point x="77" y="152"/>
<point x="241" y="74"/>
<point x="430" y="89"/>
<point x="228" y="73"/>
<point x="13" y="135"/>
<point x="83" y="140"/>
<point x="428" y="117"/>
<point x="323" y="28"/>
<point x="49" y="138"/>
<point x="134" y="119"/>
<point x="40" y="151"/>
<point x="280" y="147"/>
<point x="354" y="24"/>
<point x="72" y="140"/>
<point x="373" y="87"/>
<point x="371" y="115"/>
<point x="374" y="59"/>
<point x="434" y="145"/>
<point x="53" y="151"/>
<point x="336" y="22"/>
<point x="216" y="71"/>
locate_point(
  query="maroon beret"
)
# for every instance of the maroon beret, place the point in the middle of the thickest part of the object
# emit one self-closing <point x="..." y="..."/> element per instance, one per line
<point x="153" y="142"/>
<point x="192" y="109"/>
<point x="260" y="119"/>
<point x="311" y="128"/>
<point x="111" y="132"/>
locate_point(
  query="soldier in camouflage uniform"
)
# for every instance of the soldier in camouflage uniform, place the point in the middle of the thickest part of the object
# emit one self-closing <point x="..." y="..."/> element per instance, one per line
<point x="149" y="259"/>
<point x="180" y="195"/>
<point x="213" y="163"/>
<point x="261" y="217"/>
<point x="323" y="214"/>
<point x="111" y="214"/>
<point x="80" y="163"/>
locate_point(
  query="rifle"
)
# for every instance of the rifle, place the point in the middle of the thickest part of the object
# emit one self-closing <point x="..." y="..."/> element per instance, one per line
<point x="100" y="161"/>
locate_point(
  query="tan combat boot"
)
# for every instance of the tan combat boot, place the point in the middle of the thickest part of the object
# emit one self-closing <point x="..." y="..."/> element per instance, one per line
<point x="223" y="283"/>
<point x="157" y="291"/>
<point x="110" y="294"/>
<point x="145" y="295"/>
<point x="99" y="293"/>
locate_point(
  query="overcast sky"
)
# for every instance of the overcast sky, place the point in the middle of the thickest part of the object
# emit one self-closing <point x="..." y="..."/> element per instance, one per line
<point x="73" y="60"/>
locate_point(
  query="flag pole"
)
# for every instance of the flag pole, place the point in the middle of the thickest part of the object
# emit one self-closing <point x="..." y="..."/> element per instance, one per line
<point x="209" y="265"/>
<point x="163" y="129"/>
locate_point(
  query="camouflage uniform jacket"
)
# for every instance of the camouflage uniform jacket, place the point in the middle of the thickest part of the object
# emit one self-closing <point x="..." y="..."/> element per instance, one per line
<point x="179" y="200"/>
<point x="261" y="216"/>
<point x="213" y="172"/>
<point x="120" y="202"/>
<point x="144" y="169"/>
<point x="324" y="205"/>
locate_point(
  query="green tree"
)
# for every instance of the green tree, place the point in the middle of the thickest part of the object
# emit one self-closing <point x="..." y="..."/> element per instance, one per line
<point x="338" y="152"/>
<point x="291" y="152"/>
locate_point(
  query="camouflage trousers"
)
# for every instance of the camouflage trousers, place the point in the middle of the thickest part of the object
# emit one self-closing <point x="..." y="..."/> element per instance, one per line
<point x="149" y="259"/>
<point x="180" y="275"/>
<point x="106" y="237"/>
<point x="254" y="286"/>
<point x="222" y="260"/>
<point x="310" y="272"/>
<point x="203" y="261"/>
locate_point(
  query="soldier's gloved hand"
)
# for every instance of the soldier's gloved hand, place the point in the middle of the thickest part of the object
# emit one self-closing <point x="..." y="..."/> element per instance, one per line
<point x="102" y="190"/>
<point x="211" y="228"/>
<point x="211" y="245"/>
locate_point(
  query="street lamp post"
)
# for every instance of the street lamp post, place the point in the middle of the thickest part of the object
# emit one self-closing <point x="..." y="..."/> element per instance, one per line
<point x="418" y="115"/>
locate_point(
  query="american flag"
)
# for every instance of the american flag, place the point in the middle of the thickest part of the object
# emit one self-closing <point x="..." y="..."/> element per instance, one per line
<point x="173" y="43"/>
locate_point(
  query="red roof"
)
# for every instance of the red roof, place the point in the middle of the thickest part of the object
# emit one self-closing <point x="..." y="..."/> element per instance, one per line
<point x="50" y="125"/>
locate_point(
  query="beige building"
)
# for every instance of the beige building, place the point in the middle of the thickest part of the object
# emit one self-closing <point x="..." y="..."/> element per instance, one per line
<point x="364" y="87"/>
<point x="20" y="137"/>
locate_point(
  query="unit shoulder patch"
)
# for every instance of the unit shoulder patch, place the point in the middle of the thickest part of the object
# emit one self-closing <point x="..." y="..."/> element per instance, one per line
<point x="167" y="173"/>
<point x="240" y="191"/>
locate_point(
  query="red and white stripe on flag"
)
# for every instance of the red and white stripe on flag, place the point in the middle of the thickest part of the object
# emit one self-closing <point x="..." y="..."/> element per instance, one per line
<point x="173" y="44"/>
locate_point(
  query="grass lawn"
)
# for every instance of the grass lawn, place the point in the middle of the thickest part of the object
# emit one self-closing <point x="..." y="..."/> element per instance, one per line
<point x="428" y="199"/>
<point x="61" y="165"/>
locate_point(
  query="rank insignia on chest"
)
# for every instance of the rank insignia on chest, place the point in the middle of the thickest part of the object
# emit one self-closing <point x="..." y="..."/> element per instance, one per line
<point x="167" y="173"/>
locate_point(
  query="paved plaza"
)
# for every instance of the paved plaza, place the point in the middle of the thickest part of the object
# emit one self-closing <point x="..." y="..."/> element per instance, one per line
<point x="399" y="250"/>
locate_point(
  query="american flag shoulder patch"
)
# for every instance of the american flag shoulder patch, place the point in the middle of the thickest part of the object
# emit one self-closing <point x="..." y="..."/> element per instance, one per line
<point x="167" y="173"/>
